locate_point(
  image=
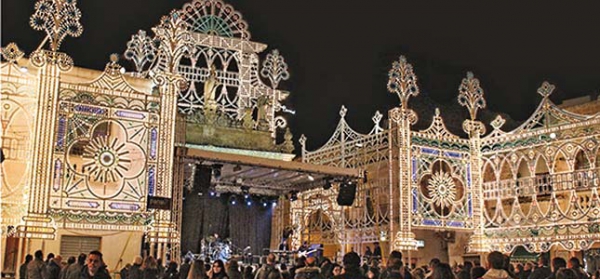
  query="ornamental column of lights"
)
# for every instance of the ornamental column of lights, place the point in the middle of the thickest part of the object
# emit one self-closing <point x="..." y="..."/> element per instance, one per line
<point x="58" y="19"/>
<point x="175" y="41"/>
<point x="403" y="82"/>
<point x="275" y="69"/>
<point x="470" y="95"/>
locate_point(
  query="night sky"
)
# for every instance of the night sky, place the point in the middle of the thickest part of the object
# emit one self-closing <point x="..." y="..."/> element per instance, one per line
<point x="339" y="52"/>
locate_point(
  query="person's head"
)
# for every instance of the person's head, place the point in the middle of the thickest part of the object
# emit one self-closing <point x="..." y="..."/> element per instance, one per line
<point x="271" y="258"/>
<point x="50" y="256"/>
<point x="467" y="265"/>
<point x="39" y="254"/>
<point x="337" y="269"/>
<point x="81" y="259"/>
<point x="566" y="273"/>
<point x="311" y="261"/>
<point x="28" y="258"/>
<point x="137" y="260"/>
<point x="300" y="261"/>
<point x="325" y="261"/>
<point x="172" y="266"/>
<point x="373" y="273"/>
<point x="495" y="260"/>
<point x="283" y="267"/>
<point x="368" y="248"/>
<point x="433" y="263"/>
<point x="418" y="273"/>
<point x="233" y="265"/>
<point x="395" y="254"/>
<point x="71" y="260"/>
<point x="442" y="271"/>
<point x="57" y="259"/>
<point x="477" y="272"/>
<point x="197" y="269"/>
<point x="558" y="263"/>
<point x="94" y="261"/>
<point x="573" y="263"/>
<point x="519" y="268"/>
<point x="528" y="266"/>
<point x="218" y="267"/>
<point x="542" y="261"/>
<point x="351" y="260"/>
<point x="186" y="260"/>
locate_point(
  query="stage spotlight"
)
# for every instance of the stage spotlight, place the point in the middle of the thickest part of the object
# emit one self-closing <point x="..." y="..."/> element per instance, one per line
<point x="293" y="195"/>
<point x="263" y="201"/>
<point x="310" y="177"/>
<point x="248" y="203"/>
<point x="274" y="203"/>
<point x="245" y="191"/>
<point x="232" y="200"/>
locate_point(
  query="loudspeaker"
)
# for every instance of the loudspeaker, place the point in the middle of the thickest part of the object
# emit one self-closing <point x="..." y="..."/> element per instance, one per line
<point x="202" y="179"/>
<point x="346" y="194"/>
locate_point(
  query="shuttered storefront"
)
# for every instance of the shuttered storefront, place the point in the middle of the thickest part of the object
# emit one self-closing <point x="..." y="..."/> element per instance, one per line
<point x="71" y="245"/>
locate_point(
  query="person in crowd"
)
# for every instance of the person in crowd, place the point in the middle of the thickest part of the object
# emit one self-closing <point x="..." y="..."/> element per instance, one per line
<point x="124" y="272"/>
<point x="95" y="267"/>
<point x="309" y="271"/>
<point x="54" y="267"/>
<point x="542" y="271"/>
<point x="74" y="270"/>
<point x="49" y="258"/>
<point x="285" y="273"/>
<point x="149" y="268"/>
<point x="184" y="269"/>
<point x="218" y="271"/>
<point x="567" y="273"/>
<point x="171" y="271"/>
<point x="326" y="268"/>
<point x="495" y="266"/>
<point x="233" y="270"/>
<point x="465" y="271"/>
<point x="418" y="273"/>
<point x="36" y="269"/>
<point x="377" y="251"/>
<point x="527" y="268"/>
<point x="576" y="266"/>
<point x="268" y="270"/>
<point x="23" y="267"/>
<point x="368" y="253"/>
<point x="389" y="265"/>
<point x="299" y="262"/>
<point x="477" y="272"/>
<point x="337" y="270"/>
<point x="557" y="264"/>
<point x="351" y="270"/>
<point x="372" y="273"/>
<point x="247" y="274"/>
<point x="433" y="263"/>
<point x="197" y="270"/>
<point x="135" y="272"/>
<point x="443" y="271"/>
<point x="160" y="267"/>
<point x="63" y="272"/>
<point x="509" y="268"/>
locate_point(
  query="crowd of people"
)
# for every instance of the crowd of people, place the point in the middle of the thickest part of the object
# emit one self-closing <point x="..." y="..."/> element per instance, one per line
<point x="499" y="266"/>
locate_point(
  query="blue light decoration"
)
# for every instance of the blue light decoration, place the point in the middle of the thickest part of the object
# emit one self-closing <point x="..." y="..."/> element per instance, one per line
<point x="124" y="206"/>
<point x="430" y="151"/>
<point x="414" y="169"/>
<point x="60" y="134"/>
<point x="151" y="181"/>
<point x="130" y="114"/>
<point x="414" y="196"/>
<point x="57" y="175"/>
<point x="89" y="109"/>
<point x="153" y="142"/>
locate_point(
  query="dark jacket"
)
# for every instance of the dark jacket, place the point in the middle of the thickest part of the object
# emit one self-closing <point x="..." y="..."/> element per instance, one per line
<point x="135" y="272"/>
<point x="102" y="273"/>
<point x="150" y="273"/>
<point x="36" y="269"/>
<point x="184" y="269"/>
<point x="268" y="271"/>
<point x="308" y="272"/>
<point x="541" y="273"/>
<point x="53" y="270"/>
<point x="23" y="271"/>
<point x="351" y="273"/>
